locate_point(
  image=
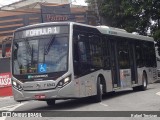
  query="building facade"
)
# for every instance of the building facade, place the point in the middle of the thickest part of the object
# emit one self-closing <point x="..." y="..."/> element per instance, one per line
<point x="28" y="12"/>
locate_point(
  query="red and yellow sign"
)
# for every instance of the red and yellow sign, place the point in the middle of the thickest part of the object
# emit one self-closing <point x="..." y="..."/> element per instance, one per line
<point x="5" y="80"/>
<point x="5" y="84"/>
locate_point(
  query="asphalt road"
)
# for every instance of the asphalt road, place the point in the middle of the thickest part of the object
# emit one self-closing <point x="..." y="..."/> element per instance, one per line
<point x="127" y="100"/>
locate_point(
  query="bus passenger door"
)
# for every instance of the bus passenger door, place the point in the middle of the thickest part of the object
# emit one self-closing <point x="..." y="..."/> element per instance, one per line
<point x="123" y="55"/>
<point x="134" y="76"/>
<point x="114" y="64"/>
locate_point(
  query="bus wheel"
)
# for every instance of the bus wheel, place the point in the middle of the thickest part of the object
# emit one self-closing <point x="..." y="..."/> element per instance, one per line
<point x="143" y="87"/>
<point x="144" y="82"/>
<point x="50" y="102"/>
<point x="98" y="97"/>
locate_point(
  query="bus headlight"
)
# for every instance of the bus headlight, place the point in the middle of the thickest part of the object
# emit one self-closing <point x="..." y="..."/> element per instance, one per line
<point x="14" y="83"/>
<point x="66" y="79"/>
<point x="64" y="82"/>
<point x="17" y="86"/>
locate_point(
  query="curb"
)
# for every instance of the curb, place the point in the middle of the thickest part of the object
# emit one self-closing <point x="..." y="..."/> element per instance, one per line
<point x="158" y="81"/>
<point x="7" y="97"/>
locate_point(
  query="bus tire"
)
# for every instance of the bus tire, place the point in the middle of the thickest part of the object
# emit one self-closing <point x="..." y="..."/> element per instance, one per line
<point x="98" y="98"/>
<point x="143" y="87"/>
<point x="135" y="88"/>
<point x="51" y="102"/>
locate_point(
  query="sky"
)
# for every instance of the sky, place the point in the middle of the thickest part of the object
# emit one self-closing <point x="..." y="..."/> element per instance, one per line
<point x="79" y="2"/>
<point x="6" y="2"/>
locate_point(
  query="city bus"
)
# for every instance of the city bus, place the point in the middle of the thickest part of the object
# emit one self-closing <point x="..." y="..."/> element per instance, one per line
<point x="68" y="60"/>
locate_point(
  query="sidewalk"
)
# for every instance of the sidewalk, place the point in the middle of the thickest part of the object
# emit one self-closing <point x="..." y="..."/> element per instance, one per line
<point x="6" y="101"/>
<point x="158" y="80"/>
<point x="5" y="97"/>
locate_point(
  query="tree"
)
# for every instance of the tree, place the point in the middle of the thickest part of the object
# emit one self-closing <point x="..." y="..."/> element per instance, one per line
<point x="127" y="14"/>
<point x="132" y="15"/>
<point x="155" y="28"/>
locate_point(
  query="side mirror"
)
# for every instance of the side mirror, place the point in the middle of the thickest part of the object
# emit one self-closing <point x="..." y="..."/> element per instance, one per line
<point x="3" y="49"/>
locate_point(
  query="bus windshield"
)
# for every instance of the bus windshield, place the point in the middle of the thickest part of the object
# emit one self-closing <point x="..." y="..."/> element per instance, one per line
<point x="43" y="54"/>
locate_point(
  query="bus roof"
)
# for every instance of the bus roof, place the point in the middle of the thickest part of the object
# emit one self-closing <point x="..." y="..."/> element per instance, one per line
<point x="122" y="33"/>
<point x="102" y="29"/>
<point x="117" y="32"/>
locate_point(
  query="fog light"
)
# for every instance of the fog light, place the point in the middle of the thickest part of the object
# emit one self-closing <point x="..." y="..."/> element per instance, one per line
<point x="60" y="83"/>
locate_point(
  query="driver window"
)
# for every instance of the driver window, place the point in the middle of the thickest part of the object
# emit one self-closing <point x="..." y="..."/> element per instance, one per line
<point x="81" y="53"/>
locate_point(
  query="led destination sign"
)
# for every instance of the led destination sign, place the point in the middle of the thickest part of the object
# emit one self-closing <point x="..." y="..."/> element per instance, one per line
<point x="41" y="31"/>
<point x="34" y="32"/>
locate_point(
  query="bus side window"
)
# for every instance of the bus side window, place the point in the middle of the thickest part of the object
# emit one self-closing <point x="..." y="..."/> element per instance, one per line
<point x="75" y="52"/>
<point x="139" y="55"/>
<point x="15" y="50"/>
<point x="75" y="55"/>
<point x="106" y="53"/>
<point x="82" y="52"/>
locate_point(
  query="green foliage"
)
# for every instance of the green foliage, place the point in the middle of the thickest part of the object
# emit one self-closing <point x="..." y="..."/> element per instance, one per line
<point x="132" y="15"/>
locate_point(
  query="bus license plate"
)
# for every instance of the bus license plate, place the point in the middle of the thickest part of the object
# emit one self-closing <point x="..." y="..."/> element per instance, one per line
<point x="40" y="96"/>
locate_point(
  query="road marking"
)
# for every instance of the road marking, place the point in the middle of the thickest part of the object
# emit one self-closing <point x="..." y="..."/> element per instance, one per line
<point x="104" y="104"/>
<point x="10" y="108"/>
<point x="158" y="93"/>
<point x="7" y="107"/>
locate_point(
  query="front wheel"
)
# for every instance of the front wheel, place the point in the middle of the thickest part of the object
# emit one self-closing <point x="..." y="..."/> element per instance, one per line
<point x="98" y="97"/>
<point x="144" y="82"/>
<point x="143" y="87"/>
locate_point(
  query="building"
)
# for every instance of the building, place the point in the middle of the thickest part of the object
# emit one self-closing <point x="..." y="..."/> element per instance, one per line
<point x="22" y="4"/>
<point x="27" y="12"/>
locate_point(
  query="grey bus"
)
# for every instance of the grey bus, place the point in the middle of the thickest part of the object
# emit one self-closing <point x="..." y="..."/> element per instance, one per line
<point x="68" y="60"/>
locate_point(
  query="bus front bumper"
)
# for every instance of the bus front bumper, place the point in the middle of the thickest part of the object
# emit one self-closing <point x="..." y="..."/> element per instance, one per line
<point x="59" y="93"/>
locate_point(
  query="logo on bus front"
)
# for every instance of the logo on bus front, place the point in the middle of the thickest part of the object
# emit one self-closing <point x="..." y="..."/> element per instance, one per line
<point x="37" y="76"/>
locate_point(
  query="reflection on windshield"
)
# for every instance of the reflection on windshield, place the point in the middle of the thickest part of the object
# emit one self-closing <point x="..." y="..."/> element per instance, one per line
<point x="31" y="57"/>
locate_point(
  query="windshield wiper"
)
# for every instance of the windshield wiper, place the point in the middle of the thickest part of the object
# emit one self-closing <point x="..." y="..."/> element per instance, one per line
<point x="50" y="43"/>
<point x="29" y="49"/>
<point x="32" y="55"/>
<point x="47" y="47"/>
